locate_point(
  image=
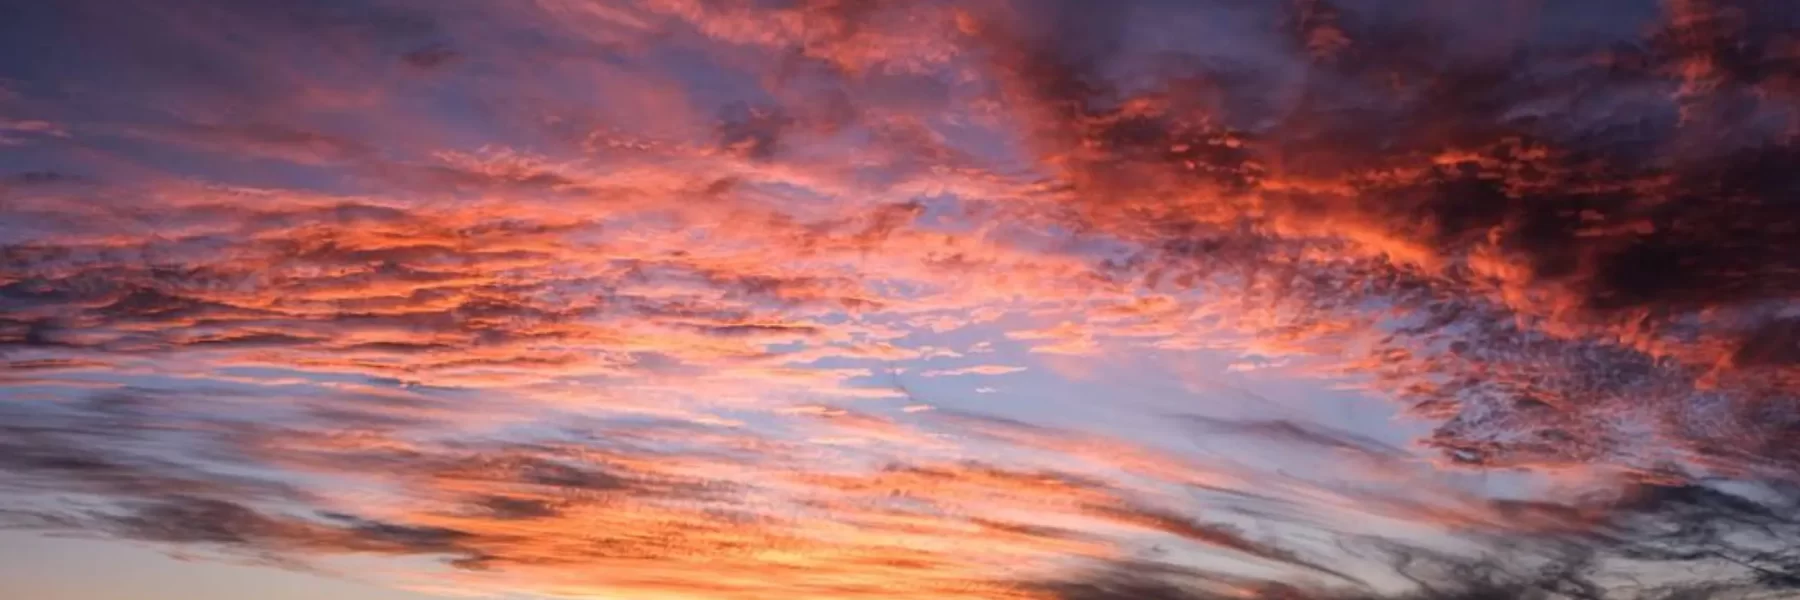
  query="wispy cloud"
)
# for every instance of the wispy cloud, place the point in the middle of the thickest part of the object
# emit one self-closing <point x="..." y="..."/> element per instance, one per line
<point x="974" y="370"/>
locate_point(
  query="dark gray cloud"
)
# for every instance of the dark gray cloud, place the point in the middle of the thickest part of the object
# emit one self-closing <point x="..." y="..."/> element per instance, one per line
<point x="1607" y="204"/>
<point x="1730" y="546"/>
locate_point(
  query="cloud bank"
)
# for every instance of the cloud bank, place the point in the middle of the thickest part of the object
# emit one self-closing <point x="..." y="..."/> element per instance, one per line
<point x="586" y="297"/>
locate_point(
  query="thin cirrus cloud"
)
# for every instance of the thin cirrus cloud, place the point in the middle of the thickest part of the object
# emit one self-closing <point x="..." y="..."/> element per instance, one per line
<point x="974" y="370"/>
<point x="588" y="297"/>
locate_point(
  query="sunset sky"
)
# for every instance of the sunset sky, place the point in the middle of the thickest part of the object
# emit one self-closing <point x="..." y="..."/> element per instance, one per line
<point x="909" y="299"/>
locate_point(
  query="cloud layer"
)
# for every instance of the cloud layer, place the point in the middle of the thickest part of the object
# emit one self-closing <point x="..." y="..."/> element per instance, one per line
<point x="585" y="297"/>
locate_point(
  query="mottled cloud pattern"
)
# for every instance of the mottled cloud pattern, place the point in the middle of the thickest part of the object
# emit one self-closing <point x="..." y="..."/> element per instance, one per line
<point x="582" y="298"/>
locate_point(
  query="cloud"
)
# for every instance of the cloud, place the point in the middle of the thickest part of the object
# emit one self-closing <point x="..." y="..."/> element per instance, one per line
<point x="587" y="297"/>
<point x="655" y="502"/>
<point x="974" y="370"/>
<point x="431" y="56"/>
<point x="1536" y="568"/>
<point x="1478" y="216"/>
<point x="19" y="132"/>
<point x="264" y="140"/>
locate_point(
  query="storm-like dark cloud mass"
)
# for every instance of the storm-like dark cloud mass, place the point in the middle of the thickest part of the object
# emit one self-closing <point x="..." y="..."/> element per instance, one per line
<point x="939" y="299"/>
<point x="1546" y="220"/>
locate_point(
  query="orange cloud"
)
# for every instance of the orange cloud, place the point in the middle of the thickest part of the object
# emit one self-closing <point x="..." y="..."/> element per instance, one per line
<point x="588" y="297"/>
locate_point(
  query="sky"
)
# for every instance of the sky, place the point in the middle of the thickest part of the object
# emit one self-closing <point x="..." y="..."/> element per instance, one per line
<point x="961" y="299"/>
